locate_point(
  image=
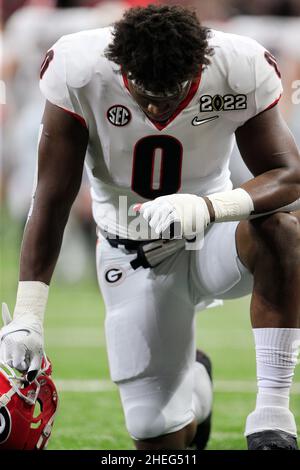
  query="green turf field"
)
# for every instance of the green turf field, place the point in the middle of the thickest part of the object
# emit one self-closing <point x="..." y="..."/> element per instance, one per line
<point x="90" y="414"/>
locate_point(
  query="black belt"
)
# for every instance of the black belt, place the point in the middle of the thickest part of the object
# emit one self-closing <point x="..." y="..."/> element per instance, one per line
<point x="132" y="245"/>
<point x="127" y="243"/>
<point x="146" y="257"/>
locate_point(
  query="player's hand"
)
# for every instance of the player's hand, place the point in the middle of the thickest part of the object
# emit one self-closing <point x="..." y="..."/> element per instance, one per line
<point x="21" y="343"/>
<point x="190" y="211"/>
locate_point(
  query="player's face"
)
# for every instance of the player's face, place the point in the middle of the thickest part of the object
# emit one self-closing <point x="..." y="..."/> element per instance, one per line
<point x="158" y="108"/>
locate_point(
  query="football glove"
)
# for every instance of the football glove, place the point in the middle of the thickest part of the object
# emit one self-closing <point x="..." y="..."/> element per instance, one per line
<point x="22" y="343"/>
<point x="190" y="211"/>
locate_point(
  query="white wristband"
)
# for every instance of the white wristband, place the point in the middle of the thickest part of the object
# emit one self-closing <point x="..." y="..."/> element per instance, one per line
<point x="231" y="205"/>
<point x="32" y="297"/>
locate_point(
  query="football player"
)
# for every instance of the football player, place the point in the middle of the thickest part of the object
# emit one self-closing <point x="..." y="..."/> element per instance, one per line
<point x="154" y="104"/>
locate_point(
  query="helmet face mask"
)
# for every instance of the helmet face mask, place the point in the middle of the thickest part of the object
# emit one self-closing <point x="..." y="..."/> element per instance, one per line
<point x="173" y="94"/>
<point x="26" y="410"/>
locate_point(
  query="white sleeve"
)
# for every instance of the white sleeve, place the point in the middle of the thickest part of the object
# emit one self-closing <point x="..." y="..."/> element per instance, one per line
<point x="268" y="89"/>
<point x="54" y="81"/>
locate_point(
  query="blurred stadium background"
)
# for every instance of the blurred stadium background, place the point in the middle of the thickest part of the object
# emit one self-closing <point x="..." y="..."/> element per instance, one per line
<point x="90" y="415"/>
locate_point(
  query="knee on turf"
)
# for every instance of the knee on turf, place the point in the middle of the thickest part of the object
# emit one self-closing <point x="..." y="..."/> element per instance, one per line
<point x="147" y="422"/>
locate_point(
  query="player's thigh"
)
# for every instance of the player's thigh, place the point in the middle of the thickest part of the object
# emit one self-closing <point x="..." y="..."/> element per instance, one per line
<point x="149" y="313"/>
<point x="217" y="268"/>
<point x="150" y="339"/>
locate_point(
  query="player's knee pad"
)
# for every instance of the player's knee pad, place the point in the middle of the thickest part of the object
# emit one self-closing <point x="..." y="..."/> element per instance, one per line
<point x="145" y="422"/>
<point x="154" y="407"/>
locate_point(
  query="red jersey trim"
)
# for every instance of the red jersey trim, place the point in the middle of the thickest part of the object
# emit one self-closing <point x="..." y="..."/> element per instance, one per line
<point x="184" y="104"/>
<point x="76" y="116"/>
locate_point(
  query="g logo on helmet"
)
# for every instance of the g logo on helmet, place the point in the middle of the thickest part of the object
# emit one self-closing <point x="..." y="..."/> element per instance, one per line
<point x="5" y="424"/>
<point x="114" y="275"/>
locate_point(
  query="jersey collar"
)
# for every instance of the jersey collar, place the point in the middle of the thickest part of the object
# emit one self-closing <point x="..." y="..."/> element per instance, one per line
<point x="184" y="104"/>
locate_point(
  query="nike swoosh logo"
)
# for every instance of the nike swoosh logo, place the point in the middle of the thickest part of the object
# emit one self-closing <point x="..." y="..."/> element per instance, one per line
<point x="197" y="122"/>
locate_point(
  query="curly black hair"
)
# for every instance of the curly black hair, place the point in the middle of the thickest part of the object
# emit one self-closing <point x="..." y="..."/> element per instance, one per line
<point x="160" y="46"/>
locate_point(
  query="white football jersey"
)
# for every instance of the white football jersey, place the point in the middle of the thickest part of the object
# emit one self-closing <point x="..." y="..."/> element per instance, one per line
<point x="128" y="154"/>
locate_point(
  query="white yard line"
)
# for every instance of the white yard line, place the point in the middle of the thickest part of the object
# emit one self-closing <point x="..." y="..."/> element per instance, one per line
<point x="89" y="386"/>
<point x="222" y="386"/>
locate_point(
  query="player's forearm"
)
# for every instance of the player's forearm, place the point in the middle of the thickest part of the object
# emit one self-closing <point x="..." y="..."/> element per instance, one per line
<point x="42" y="242"/>
<point x="274" y="189"/>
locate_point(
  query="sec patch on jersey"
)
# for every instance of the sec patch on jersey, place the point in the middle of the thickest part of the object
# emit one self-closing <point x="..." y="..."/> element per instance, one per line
<point x="119" y="115"/>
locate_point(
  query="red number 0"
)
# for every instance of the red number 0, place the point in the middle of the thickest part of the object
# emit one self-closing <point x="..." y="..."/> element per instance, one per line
<point x="143" y="166"/>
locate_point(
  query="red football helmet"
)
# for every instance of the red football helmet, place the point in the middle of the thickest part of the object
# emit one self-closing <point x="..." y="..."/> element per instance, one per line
<point x="26" y="410"/>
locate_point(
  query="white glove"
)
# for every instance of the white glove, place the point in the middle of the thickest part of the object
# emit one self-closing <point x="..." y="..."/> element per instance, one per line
<point x="21" y="343"/>
<point x="190" y="211"/>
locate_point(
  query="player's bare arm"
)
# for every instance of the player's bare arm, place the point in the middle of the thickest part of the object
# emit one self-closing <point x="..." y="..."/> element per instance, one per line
<point x="270" y="244"/>
<point x="60" y="162"/>
<point x="61" y="155"/>
<point x="270" y="152"/>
